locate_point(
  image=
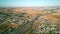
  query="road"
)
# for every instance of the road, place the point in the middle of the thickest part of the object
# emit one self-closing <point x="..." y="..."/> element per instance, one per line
<point x="25" y="27"/>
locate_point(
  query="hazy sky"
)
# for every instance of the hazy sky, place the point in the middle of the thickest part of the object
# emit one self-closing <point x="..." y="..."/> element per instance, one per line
<point x="28" y="3"/>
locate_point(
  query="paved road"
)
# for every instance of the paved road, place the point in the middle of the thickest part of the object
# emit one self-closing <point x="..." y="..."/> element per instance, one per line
<point x="25" y="27"/>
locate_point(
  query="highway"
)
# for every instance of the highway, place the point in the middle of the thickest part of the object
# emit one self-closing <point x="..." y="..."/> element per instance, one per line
<point x="25" y="27"/>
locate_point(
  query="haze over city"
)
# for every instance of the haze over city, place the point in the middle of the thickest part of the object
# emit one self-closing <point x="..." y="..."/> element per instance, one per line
<point x="29" y="16"/>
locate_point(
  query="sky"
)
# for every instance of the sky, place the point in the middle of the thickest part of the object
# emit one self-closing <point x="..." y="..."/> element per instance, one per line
<point x="29" y="3"/>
